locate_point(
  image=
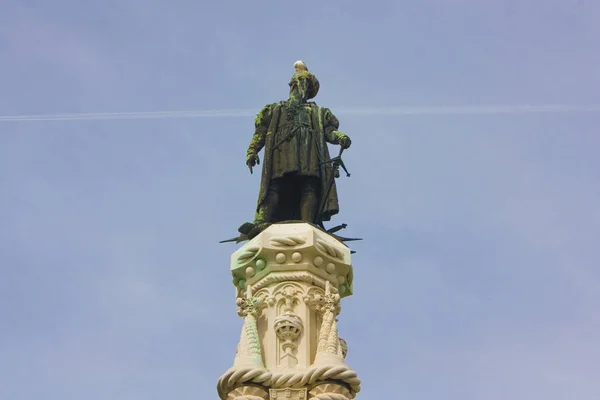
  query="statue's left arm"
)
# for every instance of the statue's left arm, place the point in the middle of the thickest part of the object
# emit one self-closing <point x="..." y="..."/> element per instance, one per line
<point x="331" y="125"/>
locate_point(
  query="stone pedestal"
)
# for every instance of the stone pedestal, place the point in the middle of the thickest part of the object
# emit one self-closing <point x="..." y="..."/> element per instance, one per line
<point x="289" y="281"/>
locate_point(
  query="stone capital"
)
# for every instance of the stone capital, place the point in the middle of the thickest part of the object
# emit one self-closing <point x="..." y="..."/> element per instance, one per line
<point x="293" y="252"/>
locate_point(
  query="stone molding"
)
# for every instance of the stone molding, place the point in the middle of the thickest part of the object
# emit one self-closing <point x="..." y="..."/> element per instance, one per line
<point x="296" y="251"/>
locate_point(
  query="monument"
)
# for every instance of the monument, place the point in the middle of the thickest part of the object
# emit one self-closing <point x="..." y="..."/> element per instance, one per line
<point x="292" y="273"/>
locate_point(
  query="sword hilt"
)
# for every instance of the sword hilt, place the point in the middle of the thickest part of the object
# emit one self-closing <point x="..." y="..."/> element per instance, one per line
<point x="336" y="163"/>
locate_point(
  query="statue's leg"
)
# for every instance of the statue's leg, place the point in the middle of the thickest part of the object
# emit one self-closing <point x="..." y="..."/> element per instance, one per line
<point x="309" y="198"/>
<point x="267" y="210"/>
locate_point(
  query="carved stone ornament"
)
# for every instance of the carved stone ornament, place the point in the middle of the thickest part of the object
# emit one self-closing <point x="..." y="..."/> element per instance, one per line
<point x="290" y="280"/>
<point x="288" y="394"/>
<point x="323" y="302"/>
<point x="293" y="252"/>
<point x="248" y="393"/>
<point x="330" y="391"/>
<point x="249" y="306"/>
<point x="288" y="327"/>
<point x="287" y="295"/>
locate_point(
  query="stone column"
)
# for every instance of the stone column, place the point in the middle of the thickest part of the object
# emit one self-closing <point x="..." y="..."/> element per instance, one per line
<point x="289" y="281"/>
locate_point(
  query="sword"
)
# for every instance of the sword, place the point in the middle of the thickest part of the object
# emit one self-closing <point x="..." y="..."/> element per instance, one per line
<point x="336" y="162"/>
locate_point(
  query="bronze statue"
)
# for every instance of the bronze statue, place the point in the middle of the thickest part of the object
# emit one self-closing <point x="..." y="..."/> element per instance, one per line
<point x="297" y="182"/>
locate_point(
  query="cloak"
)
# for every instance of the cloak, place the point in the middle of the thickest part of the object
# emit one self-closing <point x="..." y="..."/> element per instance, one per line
<point x="271" y="133"/>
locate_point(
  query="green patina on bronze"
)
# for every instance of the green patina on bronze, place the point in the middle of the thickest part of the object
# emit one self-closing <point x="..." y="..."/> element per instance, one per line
<point x="297" y="180"/>
<point x="290" y="153"/>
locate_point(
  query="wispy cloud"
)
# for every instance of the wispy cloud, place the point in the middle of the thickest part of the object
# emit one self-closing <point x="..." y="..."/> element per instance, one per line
<point x="383" y="111"/>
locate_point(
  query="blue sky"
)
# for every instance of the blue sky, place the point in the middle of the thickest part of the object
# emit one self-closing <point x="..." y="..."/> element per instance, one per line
<point x="477" y="278"/>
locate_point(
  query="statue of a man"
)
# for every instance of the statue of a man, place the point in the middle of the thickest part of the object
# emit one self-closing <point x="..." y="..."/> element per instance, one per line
<point x="297" y="182"/>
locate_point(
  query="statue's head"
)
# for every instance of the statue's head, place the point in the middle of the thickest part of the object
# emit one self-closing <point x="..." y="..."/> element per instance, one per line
<point x="303" y="85"/>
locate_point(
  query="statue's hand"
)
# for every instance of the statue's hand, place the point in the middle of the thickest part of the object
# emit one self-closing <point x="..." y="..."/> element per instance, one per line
<point x="252" y="160"/>
<point x="344" y="141"/>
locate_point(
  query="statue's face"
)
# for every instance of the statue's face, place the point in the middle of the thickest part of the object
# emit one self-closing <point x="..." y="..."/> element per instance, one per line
<point x="299" y="88"/>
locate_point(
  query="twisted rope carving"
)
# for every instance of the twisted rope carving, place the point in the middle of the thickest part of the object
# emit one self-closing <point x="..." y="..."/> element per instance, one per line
<point x="248" y="253"/>
<point x="292" y="379"/>
<point x="329" y="249"/>
<point x="287" y="241"/>
<point x="288" y="276"/>
<point x="236" y="376"/>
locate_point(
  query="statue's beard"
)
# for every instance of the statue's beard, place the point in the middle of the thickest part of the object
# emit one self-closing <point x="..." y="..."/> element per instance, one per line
<point x="299" y="91"/>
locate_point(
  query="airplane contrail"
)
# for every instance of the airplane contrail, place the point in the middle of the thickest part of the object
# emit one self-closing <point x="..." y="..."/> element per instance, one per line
<point x="390" y="111"/>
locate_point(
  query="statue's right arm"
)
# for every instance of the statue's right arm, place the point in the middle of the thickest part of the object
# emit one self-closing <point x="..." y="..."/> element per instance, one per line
<point x="261" y="125"/>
